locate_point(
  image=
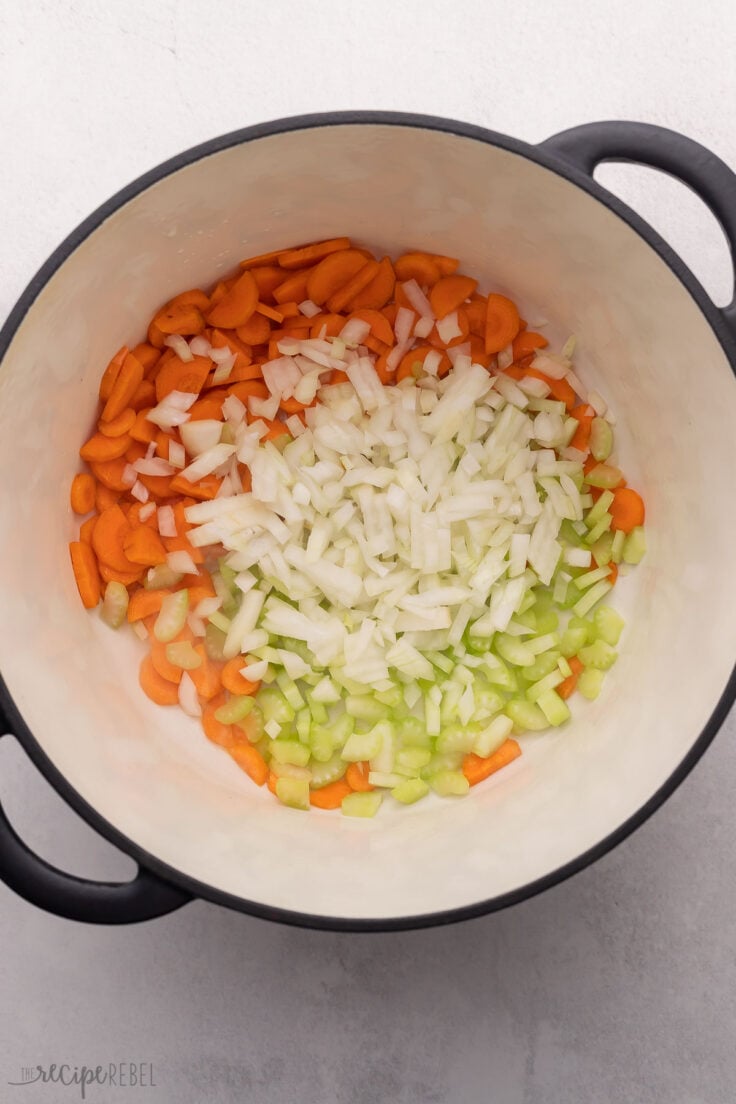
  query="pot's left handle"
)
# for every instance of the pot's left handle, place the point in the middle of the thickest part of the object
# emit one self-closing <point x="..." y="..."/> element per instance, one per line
<point x="144" y="898"/>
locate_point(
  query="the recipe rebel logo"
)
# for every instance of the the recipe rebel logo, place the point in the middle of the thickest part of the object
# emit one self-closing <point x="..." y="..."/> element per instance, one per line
<point x="120" y="1075"/>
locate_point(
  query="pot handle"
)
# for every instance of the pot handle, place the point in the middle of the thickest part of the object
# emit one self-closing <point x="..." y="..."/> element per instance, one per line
<point x="709" y="177"/>
<point x="74" y="898"/>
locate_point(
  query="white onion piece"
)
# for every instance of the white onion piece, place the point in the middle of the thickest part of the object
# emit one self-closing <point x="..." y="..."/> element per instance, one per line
<point x="295" y="425"/>
<point x="505" y="358"/>
<point x="129" y="475"/>
<point x="177" y="454"/>
<point x="180" y="346"/>
<point x="432" y="362"/>
<point x="264" y="408"/>
<point x="182" y="563"/>
<point x="223" y="369"/>
<point x="155" y="466"/>
<point x="448" y="328"/>
<point x="220" y="354"/>
<point x="281" y="376"/>
<point x="418" y="299"/>
<point x="255" y="671"/>
<point x="200" y="346"/>
<point x="147" y="511"/>
<point x="552" y="365"/>
<point x="166" y="522"/>
<point x="309" y="309"/>
<point x="233" y="410"/>
<point x="598" y="403"/>
<point x="458" y="351"/>
<point x="207" y="606"/>
<point x="188" y="697"/>
<point x="139" y="491"/>
<point x="424" y="327"/>
<point x="354" y="331"/>
<point x="201" y="435"/>
<point x="207" y="461"/>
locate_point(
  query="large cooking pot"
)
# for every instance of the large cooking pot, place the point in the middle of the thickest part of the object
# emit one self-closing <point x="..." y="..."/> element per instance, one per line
<point x="528" y="219"/>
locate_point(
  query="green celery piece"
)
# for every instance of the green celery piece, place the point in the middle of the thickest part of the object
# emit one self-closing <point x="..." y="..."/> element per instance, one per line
<point x="600" y="527"/>
<point x="290" y="751"/>
<point x="590" y="683"/>
<point x="365" y="708"/>
<point x="608" y="625"/>
<point x="449" y="783"/>
<point x="413" y="789"/>
<point x="599" y="655"/>
<point x="327" y="772"/>
<point x="219" y="620"/>
<point x="513" y="651"/>
<point x="596" y="512"/>
<point x="317" y="711"/>
<point x="393" y="698"/>
<point x="413" y="758"/>
<point x="274" y="705"/>
<point x="487" y="700"/>
<point x="617" y="547"/>
<point x="293" y="792"/>
<point x="321" y="744"/>
<point x="603" y="549"/>
<point x="526" y="715"/>
<point x="604" y="475"/>
<point x="542" y="666"/>
<point x="451" y="694"/>
<point x="493" y="736"/>
<point x="290" y="690"/>
<point x="303" y="724"/>
<point x="591" y="577"/>
<point x="547" y="622"/>
<point x="549" y="682"/>
<point x="601" y="439"/>
<point x="252" y="724"/>
<point x="161" y="576"/>
<point x="457" y="738"/>
<point x="448" y="761"/>
<point x="182" y="654"/>
<point x="591" y="597"/>
<point x="413" y="733"/>
<point x="362" y="745"/>
<point x="172" y="616"/>
<point x="115" y="605"/>
<point x="503" y="677"/>
<point x="235" y="709"/>
<point x="553" y="707"/>
<point x="635" y="546"/>
<point x="362" y="804"/>
<point x="214" y="642"/>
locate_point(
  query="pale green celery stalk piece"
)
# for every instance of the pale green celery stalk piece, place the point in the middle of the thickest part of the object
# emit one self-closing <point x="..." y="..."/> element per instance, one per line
<point x="599" y="655"/>
<point x="542" y="666"/>
<point x="385" y="780"/>
<point x="317" y="710"/>
<point x="604" y="475"/>
<point x="364" y="707"/>
<point x="492" y="737"/>
<point x="487" y="701"/>
<point x="290" y="690"/>
<point x="549" y="682"/>
<point x="528" y="617"/>
<point x="274" y="705"/>
<point x="503" y="677"/>
<point x="590" y="577"/>
<point x="591" y="597"/>
<point x="438" y="659"/>
<point x="456" y="738"/>
<point x="562" y="584"/>
<point x="413" y="758"/>
<point x="235" y="709"/>
<point x="597" y="511"/>
<point x="547" y="622"/>
<point x="413" y="789"/>
<point x="214" y="641"/>
<point x="617" y="546"/>
<point x="609" y="624"/>
<point x="550" y="406"/>
<point x="219" y="620"/>
<point x="303" y="725"/>
<point x="114" y="604"/>
<point x="288" y="770"/>
<point x="526" y="715"/>
<point x="362" y="745"/>
<point x="602" y="549"/>
<point x="553" y="707"/>
<point x="590" y="683"/>
<point x="362" y="804"/>
<point x="172" y="616"/>
<point x="573" y="639"/>
<point x="449" y="783"/>
<point x="413" y="733"/>
<point x="601" y="439"/>
<point x="392" y="698"/>
<point x="527" y="603"/>
<point x="161" y="576"/>
<point x="290" y="751"/>
<point x="325" y="773"/>
<point x="513" y="651"/>
<point x="599" y="529"/>
<point x="635" y="546"/>
<point x="451" y="694"/>
<point x="544" y="643"/>
<point x="182" y="654"/>
<point x="564" y="667"/>
<point x="293" y="792"/>
<point x="321" y="744"/>
<point x="432" y="719"/>
<point x="449" y="761"/>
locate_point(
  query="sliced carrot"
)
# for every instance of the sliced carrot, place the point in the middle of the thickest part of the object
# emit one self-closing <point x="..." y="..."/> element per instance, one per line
<point x="180" y="318"/>
<point x="450" y="292"/>
<point x="142" y="430"/>
<point x="293" y="406"/>
<point x="476" y="311"/>
<point x="502" y="323"/>
<point x="417" y="356"/>
<point x="113" y="575"/>
<point x="134" y="516"/>
<point x="120" y="425"/>
<point x="375" y="346"/>
<point x="235" y="308"/>
<point x="110" y="474"/>
<point x="269" y="313"/>
<point x="339" y="376"/>
<point x="195" y="297"/>
<point x="143" y="603"/>
<point x="206" y="408"/>
<point x="206" y="677"/>
<point x="559" y="389"/>
<point x="256" y="330"/>
<point x="331" y="274"/>
<point x="232" y="679"/>
<point x="447" y="265"/>
<point x="156" y="337"/>
<point x="340" y="299"/>
<point x="567" y="687"/>
<point x="584" y="415"/>
<point x="476" y="769"/>
<point x="124" y="388"/>
<point x="104" y="496"/>
<point x="268" y="278"/>
<point x="222" y="734"/>
<point x="478" y="353"/>
<point x="158" y="689"/>
<point x="86" y="574"/>
<point x="330" y="796"/>
<point x="627" y="509"/>
<point x="204" y="490"/>
<point x="82" y="495"/>
<point x="107" y="539"/>
<point x="252" y="762"/>
<point x="163" y="440"/>
<point x="181" y="544"/>
<point x="275" y="429"/>
<point x="293" y="288"/>
<point x="100" y="448"/>
<point x="160" y="661"/>
<point x="463" y="325"/>
<point x="86" y="529"/>
<point x="309" y="254"/>
<point x="379" y="290"/>
<point x="262" y="259"/>
<point x="290" y="310"/>
<point x="180" y="375"/>
<point x="421" y="267"/>
<point x="356" y="777"/>
<point x="144" y="397"/>
<point x="111" y="373"/>
<point x="143" y="546"/>
<point x="254" y="388"/>
<point x="146" y="354"/>
<point x="528" y="342"/>
<point x="157" y="485"/>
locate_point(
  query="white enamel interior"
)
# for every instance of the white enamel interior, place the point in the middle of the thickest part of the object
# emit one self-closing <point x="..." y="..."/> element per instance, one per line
<point x="644" y="343"/>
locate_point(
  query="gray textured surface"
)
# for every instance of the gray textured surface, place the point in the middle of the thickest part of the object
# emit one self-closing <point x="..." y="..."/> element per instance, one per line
<point x="616" y="986"/>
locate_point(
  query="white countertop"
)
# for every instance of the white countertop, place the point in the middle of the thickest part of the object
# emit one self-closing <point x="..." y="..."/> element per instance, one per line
<point x="617" y="986"/>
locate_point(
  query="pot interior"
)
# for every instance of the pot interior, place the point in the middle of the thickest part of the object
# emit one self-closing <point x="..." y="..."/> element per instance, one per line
<point x="643" y="343"/>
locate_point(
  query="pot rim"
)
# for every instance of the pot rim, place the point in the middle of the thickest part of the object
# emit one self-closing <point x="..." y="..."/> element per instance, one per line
<point x="575" y="176"/>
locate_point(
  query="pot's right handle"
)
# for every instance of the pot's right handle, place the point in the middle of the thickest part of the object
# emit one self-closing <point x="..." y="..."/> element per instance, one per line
<point x="74" y="898"/>
<point x="709" y="177"/>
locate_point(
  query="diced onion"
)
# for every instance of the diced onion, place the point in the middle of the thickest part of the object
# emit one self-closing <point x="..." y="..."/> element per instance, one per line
<point x="180" y="345"/>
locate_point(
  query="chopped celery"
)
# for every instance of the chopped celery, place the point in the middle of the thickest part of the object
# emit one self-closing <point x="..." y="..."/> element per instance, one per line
<point x="239" y="706"/>
<point x="451" y="694"/>
<point x="590" y="683"/>
<point x="549" y="682"/>
<point x="290" y="751"/>
<point x="326" y="772"/>
<point x="293" y="792"/>
<point x="492" y="737"/>
<point x="449" y="783"/>
<point x="385" y="780"/>
<point x="564" y="667"/>
<point x="602" y="549"/>
<point x="362" y="804"/>
<point x="325" y="691"/>
<point x="303" y="724"/>
<point x="503" y="677"/>
<point x="608" y="624"/>
<point x="432" y="719"/>
<point x="601" y="439"/>
<point x="440" y="660"/>
<point x="526" y="715"/>
<point x="600" y="527"/>
<point x="456" y="738"/>
<point x="290" y="690"/>
<point x="413" y="758"/>
<point x="529" y="618"/>
<point x="252" y="724"/>
<point x="599" y="655"/>
<point x="590" y="597"/>
<point x="449" y="761"/>
<point x="553" y="707"/>
<point x="362" y="745"/>
<point x="487" y="700"/>
<point x="542" y="666"/>
<point x="410" y="790"/>
<point x="317" y="710"/>
<point x="364" y="707"/>
<point x="214" y="641"/>
<point x="219" y="620"/>
<point x="114" y="604"/>
<point x="617" y="547"/>
<point x="604" y="475"/>
<point x="412" y="733"/>
<point x="597" y="511"/>
<point x="392" y="698"/>
<point x="321" y="744"/>
<point x="541" y="644"/>
<point x="275" y="706"/>
<point x="182" y="654"/>
<point x="513" y="651"/>
<point x="161" y="576"/>
<point x="289" y="770"/>
<point x="590" y="577"/>
<point x="635" y="546"/>
<point x="547" y="622"/>
<point x="172" y="616"/>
